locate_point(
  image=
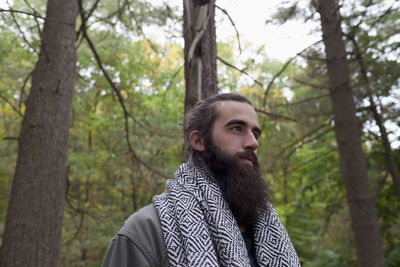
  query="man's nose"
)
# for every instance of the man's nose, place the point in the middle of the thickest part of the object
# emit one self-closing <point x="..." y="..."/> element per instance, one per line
<point x="251" y="142"/>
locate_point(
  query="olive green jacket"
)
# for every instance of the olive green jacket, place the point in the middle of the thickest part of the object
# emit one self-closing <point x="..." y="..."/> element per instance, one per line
<point x="139" y="242"/>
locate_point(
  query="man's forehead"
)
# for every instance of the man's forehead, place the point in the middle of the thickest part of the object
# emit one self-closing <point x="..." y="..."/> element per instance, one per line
<point x="224" y="107"/>
<point x="234" y="110"/>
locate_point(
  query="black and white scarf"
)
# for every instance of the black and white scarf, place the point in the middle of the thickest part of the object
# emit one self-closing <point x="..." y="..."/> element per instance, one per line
<point x="199" y="228"/>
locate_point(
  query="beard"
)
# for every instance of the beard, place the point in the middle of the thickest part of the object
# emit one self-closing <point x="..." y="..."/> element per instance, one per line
<point x="242" y="185"/>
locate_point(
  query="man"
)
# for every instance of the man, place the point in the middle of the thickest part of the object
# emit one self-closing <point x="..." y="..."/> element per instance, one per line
<point x="216" y="211"/>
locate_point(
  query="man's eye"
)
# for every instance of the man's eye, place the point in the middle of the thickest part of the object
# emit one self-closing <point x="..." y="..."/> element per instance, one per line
<point x="256" y="135"/>
<point x="236" y="129"/>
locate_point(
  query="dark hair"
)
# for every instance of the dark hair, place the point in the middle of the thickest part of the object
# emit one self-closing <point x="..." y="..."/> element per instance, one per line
<point x="205" y="113"/>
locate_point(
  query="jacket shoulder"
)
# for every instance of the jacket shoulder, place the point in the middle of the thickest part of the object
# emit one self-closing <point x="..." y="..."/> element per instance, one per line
<point x="143" y="229"/>
<point x="145" y="218"/>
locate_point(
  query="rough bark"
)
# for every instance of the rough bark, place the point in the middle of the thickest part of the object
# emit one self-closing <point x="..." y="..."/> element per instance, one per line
<point x="364" y="220"/>
<point x="200" y="54"/>
<point x="200" y="51"/>
<point x="32" y="235"/>
<point x="390" y="161"/>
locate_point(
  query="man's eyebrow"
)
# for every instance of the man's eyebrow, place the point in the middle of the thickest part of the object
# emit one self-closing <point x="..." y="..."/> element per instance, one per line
<point x="232" y="122"/>
<point x="243" y="123"/>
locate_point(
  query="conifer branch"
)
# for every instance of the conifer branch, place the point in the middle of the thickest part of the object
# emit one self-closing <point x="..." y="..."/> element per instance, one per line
<point x="233" y="24"/>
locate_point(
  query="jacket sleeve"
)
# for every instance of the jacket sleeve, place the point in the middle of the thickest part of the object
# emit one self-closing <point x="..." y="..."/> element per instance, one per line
<point x="122" y="252"/>
<point x="139" y="242"/>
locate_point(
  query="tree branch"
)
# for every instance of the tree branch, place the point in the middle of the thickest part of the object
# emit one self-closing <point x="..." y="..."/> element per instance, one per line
<point x="21" y="94"/>
<point x="83" y="23"/>
<point x="302" y="138"/>
<point x="22" y="33"/>
<point x="315" y="86"/>
<point x="259" y="84"/>
<point x="119" y="96"/>
<point x="274" y="115"/>
<point x="302" y="101"/>
<point x="12" y="106"/>
<point x="173" y="78"/>
<point x="241" y="71"/>
<point x="331" y="212"/>
<point x="36" y="19"/>
<point x="319" y="156"/>
<point x="306" y="141"/>
<point x="10" y="138"/>
<point x="282" y="70"/>
<point x="233" y="24"/>
<point x="22" y="12"/>
<point x="34" y="15"/>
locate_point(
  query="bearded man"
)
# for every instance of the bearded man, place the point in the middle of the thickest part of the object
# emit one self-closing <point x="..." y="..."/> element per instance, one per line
<point x="216" y="212"/>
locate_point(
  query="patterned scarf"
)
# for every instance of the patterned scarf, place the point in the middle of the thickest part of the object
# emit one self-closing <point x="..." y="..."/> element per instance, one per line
<point x="199" y="228"/>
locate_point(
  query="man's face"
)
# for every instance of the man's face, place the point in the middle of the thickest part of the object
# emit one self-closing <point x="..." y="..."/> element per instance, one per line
<point x="235" y="131"/>
<point x="230" y="154"/>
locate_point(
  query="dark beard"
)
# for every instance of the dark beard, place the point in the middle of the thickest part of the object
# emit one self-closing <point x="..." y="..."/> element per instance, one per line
<point x="242" y="185"/>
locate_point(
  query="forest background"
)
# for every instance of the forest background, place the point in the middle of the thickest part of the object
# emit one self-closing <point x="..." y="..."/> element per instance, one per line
<point x="126" y="125"/>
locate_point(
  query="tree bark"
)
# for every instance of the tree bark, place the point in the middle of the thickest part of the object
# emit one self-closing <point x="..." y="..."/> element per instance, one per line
<point x="364" y="220"/>
<point x="32" y="235"/>
<point x="200" y="54"/>
<point x="390" y="161"/>
<point x="200" y="51"/>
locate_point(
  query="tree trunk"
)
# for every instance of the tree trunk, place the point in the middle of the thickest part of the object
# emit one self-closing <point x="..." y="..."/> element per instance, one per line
<point x="32" y="235"/>
<point x="364" y="220"/>
<point x="200" y="51"/>
<point x="200" y="54"/>
<point x="390" y="161"/>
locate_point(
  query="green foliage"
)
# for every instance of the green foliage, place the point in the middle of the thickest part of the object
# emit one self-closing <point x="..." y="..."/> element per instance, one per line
<point x="372" y="24"/>
<point x="107" y="183"/>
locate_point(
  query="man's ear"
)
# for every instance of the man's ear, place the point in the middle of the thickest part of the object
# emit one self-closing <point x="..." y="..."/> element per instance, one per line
<point x="196" y="141"/>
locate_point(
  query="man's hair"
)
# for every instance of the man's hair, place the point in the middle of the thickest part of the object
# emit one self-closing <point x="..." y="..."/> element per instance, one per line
<point x="205" y="113"/>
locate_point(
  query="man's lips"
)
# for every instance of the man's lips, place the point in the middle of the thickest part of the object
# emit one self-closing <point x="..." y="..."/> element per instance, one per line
<point x="247" y="157"/>
<point x="247" y="161"/>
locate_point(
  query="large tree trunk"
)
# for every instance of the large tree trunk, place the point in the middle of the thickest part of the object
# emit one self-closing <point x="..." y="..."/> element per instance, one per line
<point x="200" y="51"/>
<point x="32" y="235"/>
<point x="364" y="218"/>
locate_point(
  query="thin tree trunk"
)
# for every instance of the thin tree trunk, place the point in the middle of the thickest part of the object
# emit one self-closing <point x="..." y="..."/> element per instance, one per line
<point x="32" y="235"/>
<point x="364" y="218"/>
<point x="391" y="163"/>
<point x="200" y="53"/>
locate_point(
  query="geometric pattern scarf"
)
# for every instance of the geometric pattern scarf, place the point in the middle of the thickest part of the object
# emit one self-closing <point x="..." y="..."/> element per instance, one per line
<point x="199" y="228"/>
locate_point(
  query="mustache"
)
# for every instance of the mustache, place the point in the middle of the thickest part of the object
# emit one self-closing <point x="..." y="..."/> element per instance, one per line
<point x="248" y="154"/>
